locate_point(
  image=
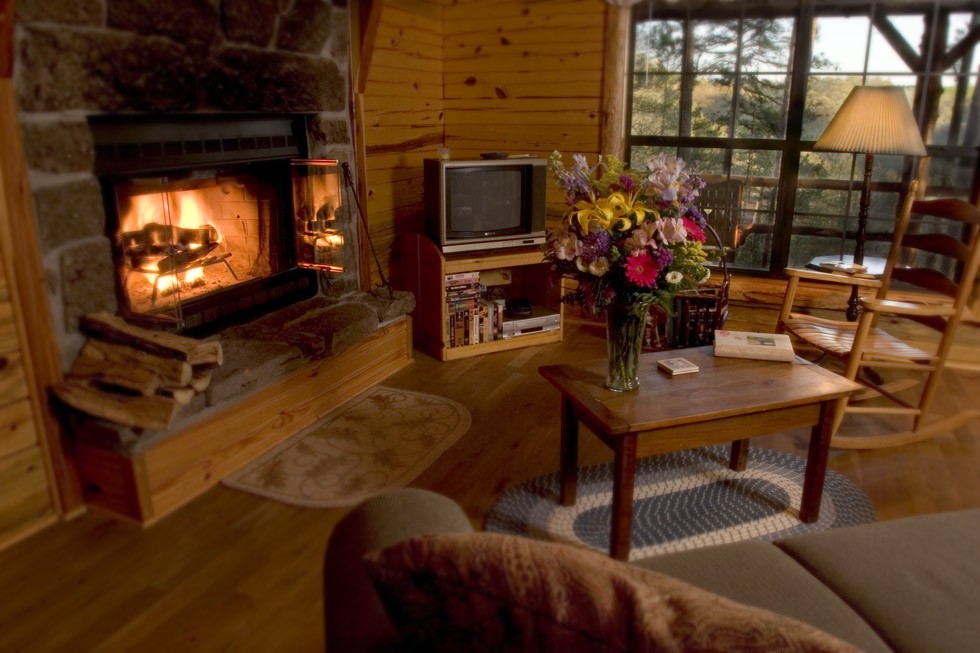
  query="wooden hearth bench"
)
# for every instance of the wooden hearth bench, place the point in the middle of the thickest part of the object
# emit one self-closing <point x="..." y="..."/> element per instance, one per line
<point x="141" y="474"/>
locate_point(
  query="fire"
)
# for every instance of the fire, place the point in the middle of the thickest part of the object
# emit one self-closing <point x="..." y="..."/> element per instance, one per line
<point x="169" y="283"/>
<point x="182" y="209"/>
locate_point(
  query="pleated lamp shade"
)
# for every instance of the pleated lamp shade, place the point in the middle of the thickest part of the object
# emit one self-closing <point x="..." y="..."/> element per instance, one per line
<point x="873" y="120"/>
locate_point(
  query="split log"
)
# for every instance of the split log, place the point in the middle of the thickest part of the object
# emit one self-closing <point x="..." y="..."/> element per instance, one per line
<point x="206" y="354"/>
<point x="182" y="396"/>
<point x="200" y="381"/>
<point x="114" y="375"/>
<point x="115" y="329"/>
<point x="99" y="359"/>
<point x="152" y="412"/>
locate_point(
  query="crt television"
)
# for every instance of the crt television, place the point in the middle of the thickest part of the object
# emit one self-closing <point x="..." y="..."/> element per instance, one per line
<point x="485" y="203"/>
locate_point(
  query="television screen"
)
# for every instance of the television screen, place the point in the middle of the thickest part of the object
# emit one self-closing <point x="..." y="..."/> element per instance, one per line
<point x="481" y="201"/>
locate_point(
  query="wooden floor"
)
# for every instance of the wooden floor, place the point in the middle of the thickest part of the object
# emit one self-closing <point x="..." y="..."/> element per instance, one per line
<point x="234" y="572"/>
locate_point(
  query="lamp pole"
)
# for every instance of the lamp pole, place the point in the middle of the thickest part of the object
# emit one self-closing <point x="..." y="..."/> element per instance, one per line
<point x="863" y="210"/>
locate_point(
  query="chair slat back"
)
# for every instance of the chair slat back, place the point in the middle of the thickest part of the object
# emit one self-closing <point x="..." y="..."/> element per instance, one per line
<point x="927" y="279"/>
<point x="946" y="241"/>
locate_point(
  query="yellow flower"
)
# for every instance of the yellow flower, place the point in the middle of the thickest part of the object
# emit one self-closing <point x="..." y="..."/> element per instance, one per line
<point x="611" y="212"/>
<point x="640" y="210"/>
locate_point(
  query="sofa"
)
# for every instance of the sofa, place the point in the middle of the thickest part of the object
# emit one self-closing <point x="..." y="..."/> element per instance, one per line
<point x="909" y="584"/>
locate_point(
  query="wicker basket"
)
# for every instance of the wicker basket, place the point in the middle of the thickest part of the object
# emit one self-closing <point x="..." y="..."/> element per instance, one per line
<point x="697" y="313"/>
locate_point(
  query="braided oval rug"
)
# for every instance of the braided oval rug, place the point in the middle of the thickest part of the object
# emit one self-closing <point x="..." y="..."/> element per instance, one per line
<point x="682" y="500"/>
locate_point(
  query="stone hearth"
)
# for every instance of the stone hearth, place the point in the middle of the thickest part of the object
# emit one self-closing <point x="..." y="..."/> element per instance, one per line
<point x="261" y="352"/>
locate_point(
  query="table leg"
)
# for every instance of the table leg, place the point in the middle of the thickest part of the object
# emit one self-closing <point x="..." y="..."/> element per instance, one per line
<point x="816" y="463"/>
<point x="624" y="477"/>
<point x="739" y="456"/>
<point x="568" y="471"/>
<point x="853" y="305"/>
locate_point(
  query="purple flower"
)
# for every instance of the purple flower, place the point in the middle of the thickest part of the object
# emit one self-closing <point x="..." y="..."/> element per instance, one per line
<point x="694" y="214"/>
<point x="594" y="246"/>
<point x="664" y="258"/>
<point x="627" y="184"/>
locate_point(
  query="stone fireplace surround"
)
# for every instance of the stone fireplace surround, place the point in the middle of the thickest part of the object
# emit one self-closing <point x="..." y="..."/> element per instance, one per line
<point x="78" y="58"/>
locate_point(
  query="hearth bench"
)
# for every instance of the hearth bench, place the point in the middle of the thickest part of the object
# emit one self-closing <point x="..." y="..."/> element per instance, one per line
<point x="910" y="584"/>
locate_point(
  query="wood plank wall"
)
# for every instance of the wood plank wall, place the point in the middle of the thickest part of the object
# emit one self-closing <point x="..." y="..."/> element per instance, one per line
<point x="402" y="119"/>
<point x="517" y="76"/>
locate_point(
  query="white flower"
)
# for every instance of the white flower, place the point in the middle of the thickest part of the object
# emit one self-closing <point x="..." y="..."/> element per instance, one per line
<point x="666" y="176"/>
<point x="673" y="230"/>
<point x="674" y="277"/>
<point x="599" y="266"/>
<point x="564" y="242"/>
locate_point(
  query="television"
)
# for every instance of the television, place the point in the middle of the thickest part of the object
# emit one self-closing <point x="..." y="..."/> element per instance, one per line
<point x="482" y="204"/>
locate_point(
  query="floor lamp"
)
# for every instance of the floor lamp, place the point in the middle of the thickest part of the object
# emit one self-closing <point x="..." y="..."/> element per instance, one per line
<point x="872" y="120"/>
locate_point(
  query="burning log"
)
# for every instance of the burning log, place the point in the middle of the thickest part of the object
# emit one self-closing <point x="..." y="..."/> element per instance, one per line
<point x="134" y="376"/>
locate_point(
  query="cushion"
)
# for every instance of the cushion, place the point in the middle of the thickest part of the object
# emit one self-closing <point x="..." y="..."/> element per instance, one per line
<point x="493" y="592"/>
<point x="916" y="579"/>
<point x="759" y="574"/>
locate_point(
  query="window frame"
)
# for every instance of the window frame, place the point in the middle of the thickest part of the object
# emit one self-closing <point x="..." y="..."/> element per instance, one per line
<point x="792" y="146"/>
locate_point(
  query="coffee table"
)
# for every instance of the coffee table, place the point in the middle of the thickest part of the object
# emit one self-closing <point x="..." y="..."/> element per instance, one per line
<point x="728" y="400"/>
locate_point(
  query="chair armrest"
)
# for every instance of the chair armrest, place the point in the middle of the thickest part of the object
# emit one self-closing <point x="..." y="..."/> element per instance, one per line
<point x="355" y="619"/>
<point x="907" y="308"/>
<point x="834" y="277"/>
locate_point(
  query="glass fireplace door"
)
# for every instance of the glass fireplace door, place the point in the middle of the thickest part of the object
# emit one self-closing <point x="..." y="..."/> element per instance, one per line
<point x="182" y="239"/>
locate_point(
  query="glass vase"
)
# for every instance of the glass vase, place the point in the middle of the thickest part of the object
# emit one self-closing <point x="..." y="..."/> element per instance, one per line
<point x="625" y="324"/>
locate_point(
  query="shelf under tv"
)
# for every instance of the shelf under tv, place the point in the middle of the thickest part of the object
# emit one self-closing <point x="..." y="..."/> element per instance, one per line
<point x="521" y="272"/>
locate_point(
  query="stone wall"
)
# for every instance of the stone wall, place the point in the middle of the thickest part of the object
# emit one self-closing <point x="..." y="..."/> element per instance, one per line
<point x="74" y="58"/>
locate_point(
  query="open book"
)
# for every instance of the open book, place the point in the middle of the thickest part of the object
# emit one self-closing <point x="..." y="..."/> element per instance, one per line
<point x="762" y="346"/>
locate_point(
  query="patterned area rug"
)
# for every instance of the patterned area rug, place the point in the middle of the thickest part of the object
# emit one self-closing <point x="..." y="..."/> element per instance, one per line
<point x="682" y="500"/>
<point x="380" y="440"/>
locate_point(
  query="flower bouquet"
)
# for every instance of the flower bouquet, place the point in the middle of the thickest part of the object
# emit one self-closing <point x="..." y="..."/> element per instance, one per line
<point x="632" y="239"/>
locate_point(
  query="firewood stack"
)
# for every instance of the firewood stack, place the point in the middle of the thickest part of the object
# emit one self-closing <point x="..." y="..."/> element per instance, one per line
<point x="136" y="377"/>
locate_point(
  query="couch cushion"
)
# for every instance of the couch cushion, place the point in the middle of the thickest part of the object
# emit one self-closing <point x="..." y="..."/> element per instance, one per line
<point x="916" y="580"/>
<point x="492" y="592"/>
<point x="759" y="574"/>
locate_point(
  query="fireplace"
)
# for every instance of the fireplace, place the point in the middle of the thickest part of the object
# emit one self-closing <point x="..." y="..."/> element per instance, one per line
<point x="200" y="213"/>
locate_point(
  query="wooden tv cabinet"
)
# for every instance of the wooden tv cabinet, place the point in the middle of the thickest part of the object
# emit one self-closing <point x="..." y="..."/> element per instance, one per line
<point x="514" y="273"/>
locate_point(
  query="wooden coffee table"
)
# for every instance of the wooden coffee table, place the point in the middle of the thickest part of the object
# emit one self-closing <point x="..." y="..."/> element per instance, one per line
<point x="728" y="400"/>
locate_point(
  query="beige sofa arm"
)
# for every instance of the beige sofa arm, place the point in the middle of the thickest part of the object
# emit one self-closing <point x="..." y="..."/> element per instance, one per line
<point x="354" y="617"/>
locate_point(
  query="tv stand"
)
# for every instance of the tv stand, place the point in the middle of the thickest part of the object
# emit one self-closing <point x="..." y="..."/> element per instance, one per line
<point x="516" y="273"/>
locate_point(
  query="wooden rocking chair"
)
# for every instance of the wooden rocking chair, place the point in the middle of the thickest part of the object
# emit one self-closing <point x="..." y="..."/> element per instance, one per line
<point x="944" y="236"/>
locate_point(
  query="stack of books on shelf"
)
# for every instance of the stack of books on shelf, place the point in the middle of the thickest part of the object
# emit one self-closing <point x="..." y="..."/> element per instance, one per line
<point x="470" y="317"/>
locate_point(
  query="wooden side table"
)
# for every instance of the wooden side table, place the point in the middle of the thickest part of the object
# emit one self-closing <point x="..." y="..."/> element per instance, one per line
<point x="728" y="400"/>
<point x="876" y="268"/>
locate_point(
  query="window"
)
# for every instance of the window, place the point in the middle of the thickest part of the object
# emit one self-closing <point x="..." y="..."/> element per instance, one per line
<point x="745" y="89"/>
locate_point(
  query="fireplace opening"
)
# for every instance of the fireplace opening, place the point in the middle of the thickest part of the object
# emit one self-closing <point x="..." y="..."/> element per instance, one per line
<point x="200" y="215"/>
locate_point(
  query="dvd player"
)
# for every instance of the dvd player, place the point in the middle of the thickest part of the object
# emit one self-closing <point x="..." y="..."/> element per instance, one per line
<point x="540" y="320"/>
